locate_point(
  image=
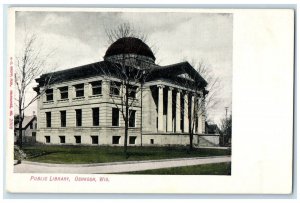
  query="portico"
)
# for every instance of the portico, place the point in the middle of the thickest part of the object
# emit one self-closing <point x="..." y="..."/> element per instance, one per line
<point x="182" y="106"/>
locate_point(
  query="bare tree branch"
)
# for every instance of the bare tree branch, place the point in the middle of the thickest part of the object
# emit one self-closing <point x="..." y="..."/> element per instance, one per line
<point x="30" y="63"/>
<point x="128" y="71"/>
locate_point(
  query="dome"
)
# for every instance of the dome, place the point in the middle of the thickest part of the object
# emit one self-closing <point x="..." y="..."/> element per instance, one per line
<point x="129" y="45"/>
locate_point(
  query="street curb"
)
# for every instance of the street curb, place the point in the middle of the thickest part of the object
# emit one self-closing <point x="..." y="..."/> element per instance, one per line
<point x="117" y="163"/>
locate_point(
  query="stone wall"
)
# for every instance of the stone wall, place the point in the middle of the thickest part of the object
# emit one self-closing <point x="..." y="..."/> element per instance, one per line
<point x="208" y="140"/>
<point x="167" y="139"/>
<point x="105" y="135"/>
<point x="105" y="131"/>
<point x="149" y="111"/>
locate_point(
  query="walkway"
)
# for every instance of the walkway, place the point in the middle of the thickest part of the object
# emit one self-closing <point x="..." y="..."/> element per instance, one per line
<point x="115" y="167"/>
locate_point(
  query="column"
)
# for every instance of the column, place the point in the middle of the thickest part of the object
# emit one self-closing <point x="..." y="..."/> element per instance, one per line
<point x="178" y="111"/>
<point x="160" y="110"/>
<point x="169" y="113"/>
<point x="186" y="113"/>
<point x="193" y="120"/>
<point x="200" y="113"/>
<point x="203" y="114"/>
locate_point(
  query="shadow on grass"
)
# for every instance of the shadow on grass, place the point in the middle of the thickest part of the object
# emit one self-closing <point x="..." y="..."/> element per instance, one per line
<point x="31" y="156"/>
<point x="101" y="154"/>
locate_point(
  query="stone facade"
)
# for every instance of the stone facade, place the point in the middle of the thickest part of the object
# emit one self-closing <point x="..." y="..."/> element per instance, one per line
<point x="75" y="111"/>
<point x="158" y="123"/>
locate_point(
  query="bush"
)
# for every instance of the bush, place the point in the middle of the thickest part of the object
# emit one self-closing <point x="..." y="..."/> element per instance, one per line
<point x="19" y="154"/>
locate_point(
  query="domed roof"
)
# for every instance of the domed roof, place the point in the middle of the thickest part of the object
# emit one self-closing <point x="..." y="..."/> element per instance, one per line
<point x="129" y="45"/>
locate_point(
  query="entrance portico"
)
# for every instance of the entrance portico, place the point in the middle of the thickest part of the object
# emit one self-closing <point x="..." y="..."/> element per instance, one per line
<point x="186" y="107"/>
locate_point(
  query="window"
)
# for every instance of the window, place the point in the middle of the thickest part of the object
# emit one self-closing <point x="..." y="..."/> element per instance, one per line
<point x="64" y="92"/>
<point x="77" y="139"/>
<point x="49" y="94"/>
<point x="63" y="118"/>
<point x="132" y="139"/>
<point x="96" y="87"/>
<point x="30" y="126"/>
<point x="78" y="117"/>
<point x="79" y="90"/>
<point x="33" y="134"/>
<point x="131" y="118"/>
<point x="132" y="91"/>
<point x="95" y="116"/>
<point x="115" y="117"/>
<point x="115" y="88"/>
<point x="48" y="119"/>
<point x="35" y="125"/>
<point x="151" y="141"/>
<point x="62" y="139"/>
<point x="95" y="140"/>
<point x="116" y="139"/>
<point x="47" y="139"/>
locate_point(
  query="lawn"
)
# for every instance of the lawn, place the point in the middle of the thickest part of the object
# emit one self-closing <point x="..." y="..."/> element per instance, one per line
<point x="101" y="154"/>
<point x="205" y="169"/>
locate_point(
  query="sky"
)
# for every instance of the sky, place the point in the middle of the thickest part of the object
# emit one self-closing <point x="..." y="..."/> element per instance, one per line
<point x="79" y="38"/>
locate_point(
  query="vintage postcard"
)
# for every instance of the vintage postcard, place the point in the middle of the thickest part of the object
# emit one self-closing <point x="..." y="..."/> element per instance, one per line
<point x="149" y="100"/>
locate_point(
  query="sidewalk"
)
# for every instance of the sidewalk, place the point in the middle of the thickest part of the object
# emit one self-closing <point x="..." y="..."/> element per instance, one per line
<point x="115" y="167"/>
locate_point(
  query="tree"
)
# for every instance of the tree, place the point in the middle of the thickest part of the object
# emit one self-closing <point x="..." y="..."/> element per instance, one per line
<point x="194" y="102"/>
<point x="30" y="63"/>
<point x="129" y="70"/>
<point x="203" y="99"/>
<point x="226" y="130"/>
<point x="213" y="86"/>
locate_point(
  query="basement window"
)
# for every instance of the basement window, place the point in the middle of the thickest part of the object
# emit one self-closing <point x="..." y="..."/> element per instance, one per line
<point x="95" y="139"/>
<point x="47" y="139"/>
<point x="62" y="139"/>
<point x="132" y="139"/>
<point x="77" y="139"/>
<point x="116" y="139"/>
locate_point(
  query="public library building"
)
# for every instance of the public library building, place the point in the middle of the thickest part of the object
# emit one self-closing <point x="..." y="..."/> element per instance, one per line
<point x="82" y="105"/>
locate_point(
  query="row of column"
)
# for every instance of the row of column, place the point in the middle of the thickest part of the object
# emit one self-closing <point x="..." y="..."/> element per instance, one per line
<point x="177" y="112"/>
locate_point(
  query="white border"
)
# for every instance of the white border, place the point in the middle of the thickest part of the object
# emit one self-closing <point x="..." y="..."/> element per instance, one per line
<point x="261" y="72"/>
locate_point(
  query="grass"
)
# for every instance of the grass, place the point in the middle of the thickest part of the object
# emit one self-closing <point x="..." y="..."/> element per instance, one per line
<point x="101" y="154"/>
<point x="205" y="169"/>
